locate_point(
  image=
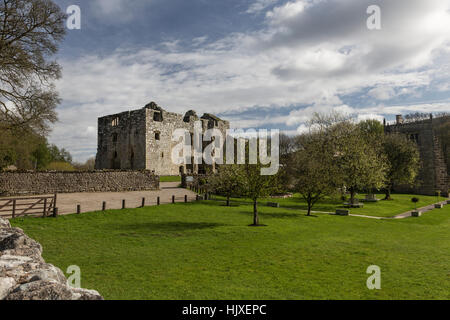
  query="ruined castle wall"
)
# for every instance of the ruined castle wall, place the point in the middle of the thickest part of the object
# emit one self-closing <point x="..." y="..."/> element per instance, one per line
<point x="433" y="174"/>
<point x="122" y="141"/>
<point x="159" y="151"/>
<point x="142" y="139"/>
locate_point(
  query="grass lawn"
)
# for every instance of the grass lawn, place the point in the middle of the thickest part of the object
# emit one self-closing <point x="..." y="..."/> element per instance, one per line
<point x="400" y="204"/>
<point x="169" y="179"/>
<point x="205" y="250"/>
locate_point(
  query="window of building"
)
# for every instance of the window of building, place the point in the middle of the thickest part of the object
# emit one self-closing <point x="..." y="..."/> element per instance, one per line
<point x="414" y="137"/>
<point x="157" y="136"/>
<point x="115" y="137"/>
<point x="162" y="154"/>
<point x="115" y="122"/>
<point x="157" y="116"/>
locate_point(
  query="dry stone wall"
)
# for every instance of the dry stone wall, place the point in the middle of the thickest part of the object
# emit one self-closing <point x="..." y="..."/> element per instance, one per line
<point x="33" y="183"/>
<point x="24" y="275"/>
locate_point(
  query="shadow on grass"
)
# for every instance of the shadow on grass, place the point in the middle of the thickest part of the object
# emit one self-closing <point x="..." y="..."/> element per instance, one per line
<point x="278" y="215"/>
<point x="167" y="226"/>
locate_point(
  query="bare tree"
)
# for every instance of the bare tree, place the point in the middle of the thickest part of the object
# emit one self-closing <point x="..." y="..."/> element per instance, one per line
<point x="30" y="31"/>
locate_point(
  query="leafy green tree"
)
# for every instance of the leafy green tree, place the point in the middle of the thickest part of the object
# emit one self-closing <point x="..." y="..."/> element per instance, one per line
<point x="404" y="161"/>
<point x="372" y="130"/>
<point x="258" y="186"/>
<point x="41" y="156"/>
<point x="359" y="161"/>
<point x="20" y="144"/>
<point x="228" y="181"/>
<point x="288" y="148"/>
<point x="313" y="169"/>
<point x="8" y="156"/>
<point x="361" y="165"/>
<point x="60" y="155"/>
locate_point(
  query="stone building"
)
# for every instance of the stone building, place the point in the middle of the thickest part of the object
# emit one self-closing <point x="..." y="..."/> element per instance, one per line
<point x="142" y="139"/>
<point x="433" y="140"/>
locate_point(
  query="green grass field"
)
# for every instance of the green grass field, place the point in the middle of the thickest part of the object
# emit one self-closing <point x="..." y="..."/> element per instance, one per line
<point x="170" y="179"/>
<point x="400" y="204"/>
<point x="205" y="250"/>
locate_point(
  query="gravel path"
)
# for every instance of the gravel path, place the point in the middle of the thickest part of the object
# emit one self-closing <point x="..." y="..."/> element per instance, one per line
<point x="67" y="202"/>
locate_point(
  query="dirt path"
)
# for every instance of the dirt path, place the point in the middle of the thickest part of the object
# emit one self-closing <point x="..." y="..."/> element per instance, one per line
<point x="67" y="202"/>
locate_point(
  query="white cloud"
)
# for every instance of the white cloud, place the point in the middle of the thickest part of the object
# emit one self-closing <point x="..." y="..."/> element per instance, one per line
<point x="309" y="53"/>
<point x="110" y="6"/>
<point x="116" y="11"/>
<point x="382" y="93"/>
<point x="260" y="5"/>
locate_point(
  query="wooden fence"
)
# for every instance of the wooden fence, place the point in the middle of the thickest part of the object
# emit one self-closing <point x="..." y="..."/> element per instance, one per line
<point x="30" y="206"/>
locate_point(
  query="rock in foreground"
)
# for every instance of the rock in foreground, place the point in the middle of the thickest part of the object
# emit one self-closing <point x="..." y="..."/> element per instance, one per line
<point x="24" y="275"/>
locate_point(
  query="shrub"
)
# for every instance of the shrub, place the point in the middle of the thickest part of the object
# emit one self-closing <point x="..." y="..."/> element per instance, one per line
<point x="60" y="166"/>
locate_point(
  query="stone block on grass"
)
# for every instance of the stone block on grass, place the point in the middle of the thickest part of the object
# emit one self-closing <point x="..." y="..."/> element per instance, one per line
<point x="342" y="212"/>
<point x="416" y="214"/>
<point x="273" y="204"/>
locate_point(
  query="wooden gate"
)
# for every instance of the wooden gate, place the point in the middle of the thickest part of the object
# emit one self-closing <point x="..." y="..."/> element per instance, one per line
<point x="30" y="206"/>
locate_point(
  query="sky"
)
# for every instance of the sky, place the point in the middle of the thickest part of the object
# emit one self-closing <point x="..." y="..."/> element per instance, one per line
<point x="257" y="63"/>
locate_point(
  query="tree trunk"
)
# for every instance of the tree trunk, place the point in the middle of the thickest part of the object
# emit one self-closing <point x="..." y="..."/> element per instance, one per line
<point x="255" y="213"/>
<point x="228" y="201"/>
<point x="387" y="191"/>
<point x="352" y="195"/>
<point x="309" y="207"/>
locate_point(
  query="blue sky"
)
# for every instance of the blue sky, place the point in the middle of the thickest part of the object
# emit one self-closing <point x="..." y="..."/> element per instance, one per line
<point x="257" y="63"/>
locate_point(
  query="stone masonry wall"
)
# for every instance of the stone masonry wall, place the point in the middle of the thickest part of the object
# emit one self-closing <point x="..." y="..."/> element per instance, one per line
<point x="24" y="275"/>
<point x="33" y="183"/>
<point x="433" y="174"/>
<point x="142" y="139"/>
<point x="121" y="141"/>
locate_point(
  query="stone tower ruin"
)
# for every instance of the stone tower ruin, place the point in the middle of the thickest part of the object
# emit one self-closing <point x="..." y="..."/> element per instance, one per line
<point x="433" y="139"/>
<point x="142" y="139"/>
